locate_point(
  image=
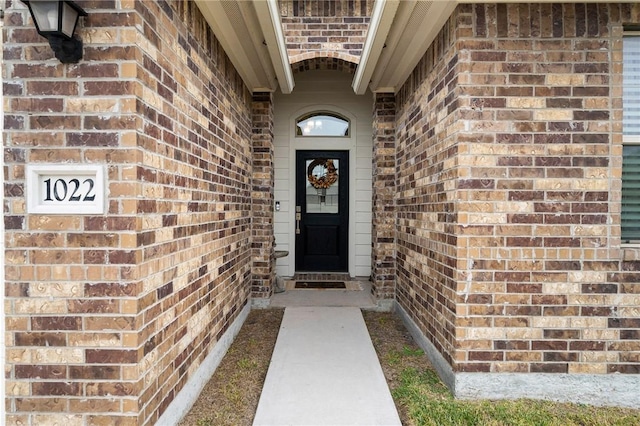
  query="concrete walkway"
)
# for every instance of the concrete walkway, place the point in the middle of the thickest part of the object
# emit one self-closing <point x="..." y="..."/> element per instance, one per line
<point x="324" y="371"/>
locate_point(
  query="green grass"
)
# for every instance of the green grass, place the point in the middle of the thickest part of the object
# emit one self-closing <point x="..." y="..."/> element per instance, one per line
<point x="247" y="364"/>
<point x="394" y="357"/>
<point x="429" y="402"/>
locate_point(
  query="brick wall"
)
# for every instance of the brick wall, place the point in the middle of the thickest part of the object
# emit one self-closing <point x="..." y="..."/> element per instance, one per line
<point x="383" y="233"/>
<point x="108" y="316"/>
<point x="509" y="192"/>
<point x="426" y="170"/>
<point x="262" y="196"/>
<point x="325" y="28"/>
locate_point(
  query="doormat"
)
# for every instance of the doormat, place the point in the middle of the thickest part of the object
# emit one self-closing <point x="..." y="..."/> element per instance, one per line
<point x="320" y="284"/>
<point x="337" y="285"/>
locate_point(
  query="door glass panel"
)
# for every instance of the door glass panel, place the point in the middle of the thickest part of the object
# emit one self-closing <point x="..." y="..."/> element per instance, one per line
<point x="322" y="185"/>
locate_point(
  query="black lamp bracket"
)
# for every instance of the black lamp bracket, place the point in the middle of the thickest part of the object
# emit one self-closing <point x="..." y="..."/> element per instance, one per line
<point x="68" y="51"/>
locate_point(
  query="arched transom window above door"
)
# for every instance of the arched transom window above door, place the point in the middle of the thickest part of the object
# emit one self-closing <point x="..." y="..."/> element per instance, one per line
<point x="323" y="124"/>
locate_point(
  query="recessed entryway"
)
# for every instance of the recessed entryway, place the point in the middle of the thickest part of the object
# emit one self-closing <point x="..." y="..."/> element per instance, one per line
<point x="340" y="238"/>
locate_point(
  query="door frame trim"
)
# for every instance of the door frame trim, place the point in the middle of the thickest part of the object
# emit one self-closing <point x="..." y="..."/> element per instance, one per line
<point x="323" y="144"/>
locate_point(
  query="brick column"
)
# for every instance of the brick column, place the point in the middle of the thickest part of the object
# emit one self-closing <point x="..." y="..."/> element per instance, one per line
<point x="71" y="281"/>
<point x="383" y="268"/>
<point x="263" y="271"/>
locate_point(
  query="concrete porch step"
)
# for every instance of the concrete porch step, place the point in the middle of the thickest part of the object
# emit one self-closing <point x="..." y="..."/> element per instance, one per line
<point x="328" y="298"/>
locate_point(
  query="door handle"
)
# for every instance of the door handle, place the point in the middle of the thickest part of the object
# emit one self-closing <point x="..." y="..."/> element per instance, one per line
<point x="298" y="219"/>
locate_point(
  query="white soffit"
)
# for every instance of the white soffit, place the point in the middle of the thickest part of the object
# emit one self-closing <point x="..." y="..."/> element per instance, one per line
<point x="269" y="18"/>
<point x="238" y="25"/>
<point x="381" y="19"/>
<point x="415" y="26"/>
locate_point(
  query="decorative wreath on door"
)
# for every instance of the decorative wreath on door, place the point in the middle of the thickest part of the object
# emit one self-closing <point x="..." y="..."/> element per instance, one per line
<point x="326" y="178"/>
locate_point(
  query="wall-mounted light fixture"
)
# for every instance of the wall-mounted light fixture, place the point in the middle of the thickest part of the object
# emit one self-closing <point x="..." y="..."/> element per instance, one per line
<point x="56" y="21"/>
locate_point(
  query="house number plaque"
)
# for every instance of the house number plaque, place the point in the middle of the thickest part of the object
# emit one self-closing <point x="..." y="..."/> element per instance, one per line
<point x="65" y="189"/>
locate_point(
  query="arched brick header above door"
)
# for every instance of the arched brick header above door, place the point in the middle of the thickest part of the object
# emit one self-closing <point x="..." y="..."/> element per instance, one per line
<point x="325" y="63"/>
<point x="333" y="29"/>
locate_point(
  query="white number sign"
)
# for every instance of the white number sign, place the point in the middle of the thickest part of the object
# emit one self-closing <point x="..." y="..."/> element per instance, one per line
<point x="65" y="189"/>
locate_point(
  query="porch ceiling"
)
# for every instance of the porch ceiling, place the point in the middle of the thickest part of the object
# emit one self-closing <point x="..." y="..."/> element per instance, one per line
<point x="399" y="34"/>
<point x="393" y="50"/>
<point x="251" y="35"/>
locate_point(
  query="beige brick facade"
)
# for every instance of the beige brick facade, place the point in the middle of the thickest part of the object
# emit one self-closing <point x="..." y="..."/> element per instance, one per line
<point x="509" y="163"/>
<point x="109" y="316"/>
<point x="496" y="198"/>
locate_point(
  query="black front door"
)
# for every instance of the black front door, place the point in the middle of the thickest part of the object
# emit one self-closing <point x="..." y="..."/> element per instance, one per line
<point x="322" y="211"/>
